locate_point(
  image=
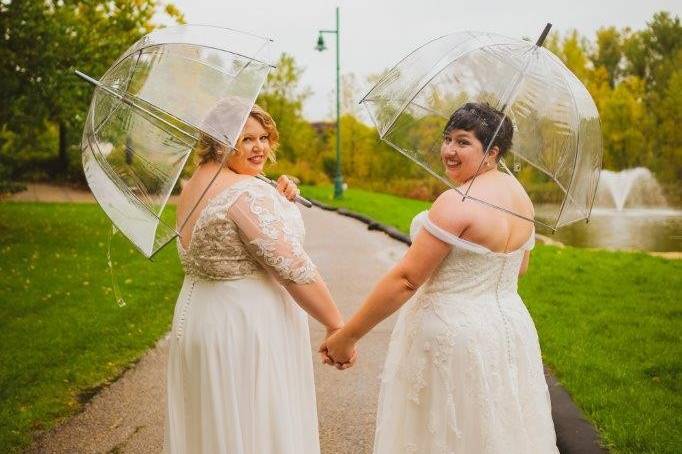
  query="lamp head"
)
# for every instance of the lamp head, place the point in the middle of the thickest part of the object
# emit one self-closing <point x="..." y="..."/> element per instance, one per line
<point x="320" y="44"/>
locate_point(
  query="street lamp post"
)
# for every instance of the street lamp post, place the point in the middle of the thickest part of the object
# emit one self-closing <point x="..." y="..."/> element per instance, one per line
<point x="338" y="179"/>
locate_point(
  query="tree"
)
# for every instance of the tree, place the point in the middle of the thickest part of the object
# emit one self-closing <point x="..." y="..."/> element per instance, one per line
<point x="350" y="95"/>
<point x="300" y="148"/>
<point x="573" y="50"/>
<point x="629" y="75"/>
<point x="44" y="42"/>
<point x="620" y="112"/>
<point x="655" y="55"/>
<point x="669" y="133"/>
<point x="609" y="53"/>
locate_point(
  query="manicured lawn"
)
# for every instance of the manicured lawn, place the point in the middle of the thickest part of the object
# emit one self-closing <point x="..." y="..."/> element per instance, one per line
<point x="610" y="326"/>
<point x="385" y="208"/>
<point x="62" y="333"/>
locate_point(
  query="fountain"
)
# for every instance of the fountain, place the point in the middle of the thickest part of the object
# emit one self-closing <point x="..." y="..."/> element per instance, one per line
<point x="629" y="188"/>
<point x="630" y="212"/>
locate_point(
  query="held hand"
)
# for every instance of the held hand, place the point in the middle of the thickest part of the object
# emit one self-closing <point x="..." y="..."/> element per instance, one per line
<point x="287" y="187"/>
<point x="338" y="350"/>
<point x="323" y="347"/>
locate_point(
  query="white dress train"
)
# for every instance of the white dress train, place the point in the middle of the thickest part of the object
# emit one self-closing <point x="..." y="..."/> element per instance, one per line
<point x="464" y="373"/>
<point x="240" y="376"/>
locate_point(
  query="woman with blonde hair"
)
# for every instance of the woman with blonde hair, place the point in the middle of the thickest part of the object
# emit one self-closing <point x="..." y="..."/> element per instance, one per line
<point x="240" y="377"/>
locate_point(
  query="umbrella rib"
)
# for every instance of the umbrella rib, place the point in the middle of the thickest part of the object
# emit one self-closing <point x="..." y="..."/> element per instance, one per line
<point x="398" y="64"/>
<point x="265" y="38"/>
<point x="129" y="78"/>
<point x="202" y="46"/>
<point x="203" y="193"/>
<point x="428" y="109"/>
<point x="149" y="163"/>
<point x="512" y="93"/>
<point x="430" y="171"/>
<point x="139" y="202"/>
<point x="257" y="52"/>
<point x="254" y="35"/>
<point x="575" y="161"/>
<point x="554" y="179"/>
<point x="113" y="175"/>
<point x="131" y="101"/>
<point x="433" y="76"/>
<point x="208" y="65"/>
<point x="596" y="186"/>
<point x="124" y="188"/>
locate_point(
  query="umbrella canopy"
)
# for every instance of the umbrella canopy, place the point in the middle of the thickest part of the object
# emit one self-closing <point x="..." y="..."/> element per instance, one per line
<point x="149" y="111"/>
<point x="556" y="152"/>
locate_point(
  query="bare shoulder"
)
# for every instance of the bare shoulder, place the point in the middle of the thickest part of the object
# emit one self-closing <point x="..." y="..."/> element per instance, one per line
<point x="520" y="192"/>
<point x="451" y="212"/>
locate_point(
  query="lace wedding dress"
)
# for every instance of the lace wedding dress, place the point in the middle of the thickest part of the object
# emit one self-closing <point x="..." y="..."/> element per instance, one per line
<point x="240" y="376"/>
<point x="463" y="373"/>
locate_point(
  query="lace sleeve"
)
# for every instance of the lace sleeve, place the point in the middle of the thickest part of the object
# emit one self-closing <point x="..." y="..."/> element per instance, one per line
<point x="269" y="239"/>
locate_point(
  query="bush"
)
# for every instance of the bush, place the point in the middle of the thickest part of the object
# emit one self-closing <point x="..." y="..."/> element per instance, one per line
<point x="302" y="170"/>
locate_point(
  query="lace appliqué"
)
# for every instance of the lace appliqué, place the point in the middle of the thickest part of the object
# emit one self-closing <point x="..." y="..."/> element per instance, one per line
<point x="218" y="251"/>
<point x="465" y="340"/>
<point x="273" y="233"/>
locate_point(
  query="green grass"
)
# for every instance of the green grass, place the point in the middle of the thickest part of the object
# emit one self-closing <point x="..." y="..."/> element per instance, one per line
<point x="385" y="208"/>
<point x="62" y="333"/>
<point x="610" y="326"/>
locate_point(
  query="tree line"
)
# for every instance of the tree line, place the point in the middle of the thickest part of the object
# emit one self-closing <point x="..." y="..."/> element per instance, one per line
<point x="634" y="76"/>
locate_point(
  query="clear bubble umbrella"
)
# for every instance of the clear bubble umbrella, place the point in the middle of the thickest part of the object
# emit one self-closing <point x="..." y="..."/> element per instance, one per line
<point x="556" y="152"/>
<point x="150" y="109"/>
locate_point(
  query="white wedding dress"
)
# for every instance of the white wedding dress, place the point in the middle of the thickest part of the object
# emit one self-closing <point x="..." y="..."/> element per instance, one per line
<point x="463" y="373"/>
<point x="240" y="376"/>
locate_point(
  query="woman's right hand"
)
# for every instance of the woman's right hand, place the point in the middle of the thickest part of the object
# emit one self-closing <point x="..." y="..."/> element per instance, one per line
<point x="287" y="188"/>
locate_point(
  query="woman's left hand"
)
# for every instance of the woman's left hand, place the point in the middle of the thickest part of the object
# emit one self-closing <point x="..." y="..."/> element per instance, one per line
<point x="338" y="350"/>
<point x="287" y="187"/>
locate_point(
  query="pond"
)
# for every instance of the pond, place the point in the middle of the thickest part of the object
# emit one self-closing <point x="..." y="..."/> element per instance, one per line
<point x="647" y="229"/>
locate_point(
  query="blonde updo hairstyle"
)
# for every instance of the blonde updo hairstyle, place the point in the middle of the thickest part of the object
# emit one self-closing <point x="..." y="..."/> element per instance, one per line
<point x="208" y="149"/>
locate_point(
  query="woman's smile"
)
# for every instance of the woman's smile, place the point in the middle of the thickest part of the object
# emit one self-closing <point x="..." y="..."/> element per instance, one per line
<point x="452" y="163"/>
<point x="257" y="159"/>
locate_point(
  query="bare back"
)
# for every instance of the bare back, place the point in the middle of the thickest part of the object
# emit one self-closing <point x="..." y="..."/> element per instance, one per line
<point x="492" y="228"/>
<point x="192" y="193"/>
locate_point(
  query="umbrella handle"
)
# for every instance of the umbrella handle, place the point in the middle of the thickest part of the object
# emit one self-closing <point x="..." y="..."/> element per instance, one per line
<point x="302" y="200"/>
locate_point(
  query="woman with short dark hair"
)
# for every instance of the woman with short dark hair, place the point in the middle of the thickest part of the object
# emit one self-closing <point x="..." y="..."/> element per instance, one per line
<point x="463" y="372"/>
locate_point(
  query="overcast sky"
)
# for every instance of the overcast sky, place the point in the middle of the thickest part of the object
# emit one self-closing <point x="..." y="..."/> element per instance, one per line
<point x="375" y="34"/>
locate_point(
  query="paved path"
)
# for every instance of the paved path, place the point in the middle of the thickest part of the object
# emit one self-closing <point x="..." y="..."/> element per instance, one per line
<point x="127" y="417"/>
<point x="45" y="192"/>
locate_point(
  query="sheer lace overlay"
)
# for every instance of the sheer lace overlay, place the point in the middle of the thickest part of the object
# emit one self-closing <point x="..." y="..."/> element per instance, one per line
<point x="246" y="228"/>
<point x="464" y="371"/>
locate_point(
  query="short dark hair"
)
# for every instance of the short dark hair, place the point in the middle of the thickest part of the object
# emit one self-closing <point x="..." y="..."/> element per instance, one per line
<point x="482" y="119"/>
